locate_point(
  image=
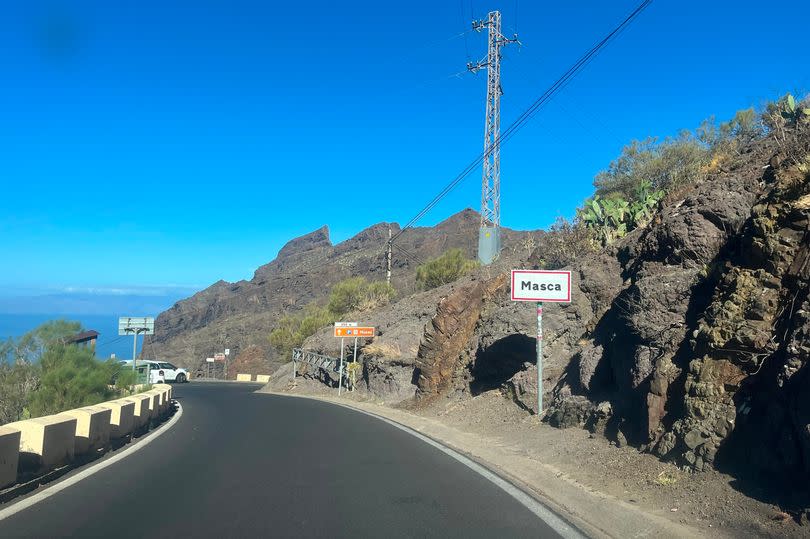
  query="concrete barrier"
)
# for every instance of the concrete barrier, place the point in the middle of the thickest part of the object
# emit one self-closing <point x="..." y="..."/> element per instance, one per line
<point x="154" y="403"/>
<point x="263" y="378"/>
<point x="162" y="399"/>
<point x="122" y="417"/>
<point x="92" y="428"/>
<point x="9" y="455"/>
<point x="243" y="377"/>
<point x="166" y="395"/>
<point x="46" y="442"/>
<point x="142" y="412"/>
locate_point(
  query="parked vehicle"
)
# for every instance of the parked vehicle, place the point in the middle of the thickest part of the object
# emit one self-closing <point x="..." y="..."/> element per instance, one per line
<point x="162" y="371"/>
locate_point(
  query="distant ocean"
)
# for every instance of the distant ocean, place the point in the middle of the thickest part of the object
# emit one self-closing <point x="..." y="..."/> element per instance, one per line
<point x="109" y="342"/>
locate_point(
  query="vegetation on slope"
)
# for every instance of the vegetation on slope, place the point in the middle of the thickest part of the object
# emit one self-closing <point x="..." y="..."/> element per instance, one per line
<point x="355" y="294"/>
<point x="630" y="191"/>
<point x="444" y="269"/>
<point x="40" y="374"/>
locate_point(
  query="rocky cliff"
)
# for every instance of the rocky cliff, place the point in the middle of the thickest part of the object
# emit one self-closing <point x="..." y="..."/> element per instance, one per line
<point x="689" y="338"/>
<point x="241" y="315"/>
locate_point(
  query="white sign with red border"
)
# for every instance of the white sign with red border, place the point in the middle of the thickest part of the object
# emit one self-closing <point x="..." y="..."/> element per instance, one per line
<point x="541" y="285"/>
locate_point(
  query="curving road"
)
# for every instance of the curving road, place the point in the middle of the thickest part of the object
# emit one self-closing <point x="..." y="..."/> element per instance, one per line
<point x="242" y="464"/>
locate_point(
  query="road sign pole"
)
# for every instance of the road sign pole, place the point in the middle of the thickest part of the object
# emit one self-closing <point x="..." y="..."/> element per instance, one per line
<point x="354" y="360"/>
<point x="539" y="358"/>
<point x="540" y="286"/>
<point x="135" y="351"/>
<point x="340" y="373"/>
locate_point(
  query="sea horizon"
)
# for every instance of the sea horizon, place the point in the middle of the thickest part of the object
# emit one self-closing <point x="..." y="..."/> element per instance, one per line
<point x="14" y="325"/>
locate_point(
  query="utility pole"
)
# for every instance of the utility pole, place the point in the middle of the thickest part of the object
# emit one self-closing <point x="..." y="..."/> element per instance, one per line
<point x="388" y="258"/>
<point x="489" y="237"/>
<point x="130" y="325"/>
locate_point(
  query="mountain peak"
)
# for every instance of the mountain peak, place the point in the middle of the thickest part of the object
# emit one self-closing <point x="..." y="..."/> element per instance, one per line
<point x="308" y="242"/>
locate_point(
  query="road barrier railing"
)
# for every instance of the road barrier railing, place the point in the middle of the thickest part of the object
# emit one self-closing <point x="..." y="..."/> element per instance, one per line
<point x="319" y="361"/>
<point x="43" y="444"/>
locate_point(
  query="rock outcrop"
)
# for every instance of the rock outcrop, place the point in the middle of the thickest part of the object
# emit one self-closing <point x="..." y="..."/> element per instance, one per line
<point x="702" y="354"/>
<point x="242" y="314"/>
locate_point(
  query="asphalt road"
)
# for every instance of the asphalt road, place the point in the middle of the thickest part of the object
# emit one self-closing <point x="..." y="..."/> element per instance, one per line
<point x="241" y="464"/>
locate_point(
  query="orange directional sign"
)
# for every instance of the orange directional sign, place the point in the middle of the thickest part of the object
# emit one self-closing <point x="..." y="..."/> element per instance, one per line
<point x="354" y="332"/>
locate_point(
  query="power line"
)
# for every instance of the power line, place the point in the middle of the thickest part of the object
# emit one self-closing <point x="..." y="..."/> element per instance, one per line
<point x="408" y="254"/>
<point x="505" y="136"/>
<point x="527" y="115"/>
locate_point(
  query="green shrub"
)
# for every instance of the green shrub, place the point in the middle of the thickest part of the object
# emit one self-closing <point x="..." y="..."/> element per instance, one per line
<point x="285" y="336"/>
<point x="347" y="295"/>
<point x="444" y="269"/>
<point x="377" y="294"/>
<point x="125" y="378"/>
<point x="292" y="331"/>
<point x="315" y="318"/>
<point x="30" y="347"/>
<point x="22" y="371"/>
<point x="357" y="294"/>
<point x="353" y="294"/>
<point x="665" y="165"/>
<point x="17" y="382"/>
<point x="71" y="377"/>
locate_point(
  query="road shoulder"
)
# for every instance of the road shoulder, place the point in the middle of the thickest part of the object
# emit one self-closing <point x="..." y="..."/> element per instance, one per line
<point x="594" y="513"/>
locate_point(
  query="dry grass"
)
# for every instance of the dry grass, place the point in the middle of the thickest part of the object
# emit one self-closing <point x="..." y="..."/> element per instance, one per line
<point x="382" y="350"/>
<point x="666" y="478"/>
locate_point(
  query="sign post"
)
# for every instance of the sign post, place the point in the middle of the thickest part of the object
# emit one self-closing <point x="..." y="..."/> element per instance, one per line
<point x="134" y="325"/>
<point x="220" y="358"/>
<point x="340" y="331"/>
<point x="541" y="286"/>
<point x="539" y="357"/>
<point x="349" y="329"/>
<point x="340" y="372"/>
<point x="354" y="361"/>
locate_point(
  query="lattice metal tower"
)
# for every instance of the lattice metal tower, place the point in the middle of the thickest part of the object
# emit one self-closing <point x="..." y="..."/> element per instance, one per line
<point x="489" y="239"/>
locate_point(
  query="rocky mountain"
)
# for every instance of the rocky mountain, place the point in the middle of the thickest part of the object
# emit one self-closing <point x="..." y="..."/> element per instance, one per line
<point x="241" y="315"/>
<point x="688" y="338"/>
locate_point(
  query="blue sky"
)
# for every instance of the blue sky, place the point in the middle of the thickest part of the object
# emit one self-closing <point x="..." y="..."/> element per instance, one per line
<point x="150" y="145"/>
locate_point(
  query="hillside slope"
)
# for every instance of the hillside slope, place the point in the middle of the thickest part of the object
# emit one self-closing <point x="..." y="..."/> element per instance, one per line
<point x="688" y="338"/>
<point x="241" y="315"/>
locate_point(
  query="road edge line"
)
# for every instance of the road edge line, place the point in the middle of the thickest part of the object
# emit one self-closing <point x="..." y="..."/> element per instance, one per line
<point x="561" y="526"/>
<point x="49" y="491"/>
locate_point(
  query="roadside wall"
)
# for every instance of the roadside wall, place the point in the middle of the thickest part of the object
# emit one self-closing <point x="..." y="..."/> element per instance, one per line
<point x="42" y="444"/>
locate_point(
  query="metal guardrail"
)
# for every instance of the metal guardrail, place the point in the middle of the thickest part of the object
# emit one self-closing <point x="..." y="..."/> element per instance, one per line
<point x="300" y="355"/>
<point x="320" y="361"/>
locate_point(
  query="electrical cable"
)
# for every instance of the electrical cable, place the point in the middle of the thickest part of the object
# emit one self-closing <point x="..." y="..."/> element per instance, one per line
<point x="527" y="114"/>
<point x="513" y="128"/>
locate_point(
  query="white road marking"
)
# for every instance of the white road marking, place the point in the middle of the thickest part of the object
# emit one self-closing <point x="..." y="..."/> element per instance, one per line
<point x="47" y="492"/>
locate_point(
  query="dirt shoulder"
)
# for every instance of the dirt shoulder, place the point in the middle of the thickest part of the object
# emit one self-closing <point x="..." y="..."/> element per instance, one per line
<point x="606" y="491"/>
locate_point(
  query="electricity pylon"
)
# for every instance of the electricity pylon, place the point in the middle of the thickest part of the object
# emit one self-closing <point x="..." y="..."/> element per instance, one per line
<point x="489" y="238"/>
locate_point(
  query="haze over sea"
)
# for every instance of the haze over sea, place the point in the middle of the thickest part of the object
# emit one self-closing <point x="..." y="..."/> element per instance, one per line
<point x="94" y="309"/>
